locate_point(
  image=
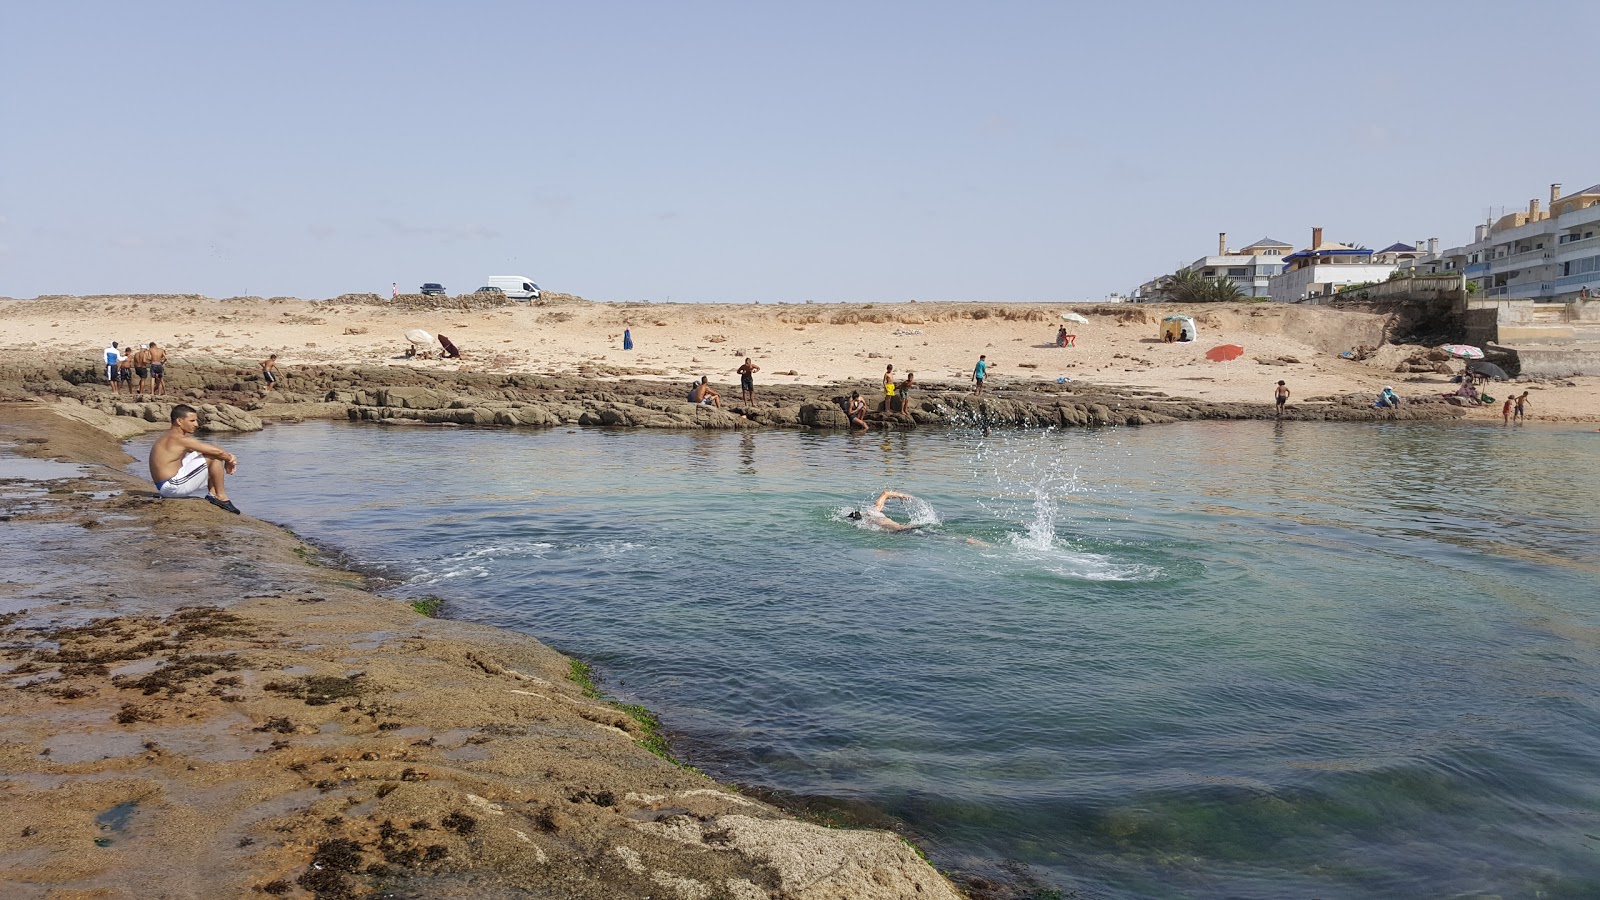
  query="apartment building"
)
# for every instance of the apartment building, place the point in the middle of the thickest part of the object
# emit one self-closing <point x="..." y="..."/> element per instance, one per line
<point x="1549" y="255"/>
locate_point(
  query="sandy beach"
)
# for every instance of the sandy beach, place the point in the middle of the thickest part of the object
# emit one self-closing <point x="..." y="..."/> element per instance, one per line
<point x="794" y="345"/>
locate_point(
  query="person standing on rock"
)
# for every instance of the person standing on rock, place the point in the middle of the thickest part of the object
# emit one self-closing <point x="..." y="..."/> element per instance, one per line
<point x="113" y="357"/>
<point x="747" y="380"/>
<point x="125" y="372"/>
<point x="183" y="467"/>
<point x="980" y="371"/>
<point x="1281" y="397"/>
<point x="269" y="371"/>
<point x="888" y="388"/>
<point x="158" y="368"/>
<point x="141" y="366"/>
<point x="909" y="382"/>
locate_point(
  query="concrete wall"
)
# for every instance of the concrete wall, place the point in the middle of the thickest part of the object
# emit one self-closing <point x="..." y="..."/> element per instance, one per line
<point x="1559" y="363"/>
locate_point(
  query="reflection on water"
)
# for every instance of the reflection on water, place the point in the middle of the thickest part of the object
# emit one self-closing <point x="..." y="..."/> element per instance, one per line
<point x="1209" y="660"/>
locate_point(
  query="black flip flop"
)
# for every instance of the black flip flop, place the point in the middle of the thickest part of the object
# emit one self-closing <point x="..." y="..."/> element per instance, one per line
<point x="222" y="504"/>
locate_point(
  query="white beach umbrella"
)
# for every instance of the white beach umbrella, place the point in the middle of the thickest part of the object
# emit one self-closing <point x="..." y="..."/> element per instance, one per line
<point x="418" y="336"/>
<point x="1074" y="317"/>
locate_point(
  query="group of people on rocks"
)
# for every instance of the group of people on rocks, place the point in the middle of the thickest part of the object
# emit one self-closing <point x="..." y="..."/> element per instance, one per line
<point x="124" y="364"/>
<point x="148" y="364"/>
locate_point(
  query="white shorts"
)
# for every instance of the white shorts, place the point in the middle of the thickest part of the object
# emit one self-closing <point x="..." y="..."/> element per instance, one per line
<point x="191" y="481"/>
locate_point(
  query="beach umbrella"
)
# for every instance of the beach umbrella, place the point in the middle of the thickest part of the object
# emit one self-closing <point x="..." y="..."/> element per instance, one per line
<point x="1074" y="317"/>
<point x="418" y="336"/>
<point x="1465" y="351"/>
<point x="1224" y="352"/>
<point x="1487" y="370"/>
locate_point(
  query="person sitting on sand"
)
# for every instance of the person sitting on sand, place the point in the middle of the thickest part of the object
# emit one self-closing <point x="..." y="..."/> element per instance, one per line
<point x="856" y="411"/>
<point x="877" y="518"/>
<point x="1061" y="336"/>
<point x="183" y="467"/>
<point x="703" y="394"/>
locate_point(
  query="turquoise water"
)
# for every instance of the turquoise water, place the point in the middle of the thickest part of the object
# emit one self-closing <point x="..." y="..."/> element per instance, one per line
<point x="1218" y="660"/>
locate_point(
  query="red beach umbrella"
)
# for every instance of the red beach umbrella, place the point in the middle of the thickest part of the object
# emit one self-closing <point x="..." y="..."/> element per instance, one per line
<point x="1225" y="352"/>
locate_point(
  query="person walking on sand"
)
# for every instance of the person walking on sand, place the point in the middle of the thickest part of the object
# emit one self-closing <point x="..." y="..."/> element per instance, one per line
<point x="747" y="380"/>
<point x="1522" y="406"/>
<point x="856" y="411"/>
<point x="980" y="371"/>
<point x="269" y="371"/>
<point x="158" y="368"/>
<point x="183" y="467"/>
<point x="1281" y="397"/>
<point x="627" y="338"/>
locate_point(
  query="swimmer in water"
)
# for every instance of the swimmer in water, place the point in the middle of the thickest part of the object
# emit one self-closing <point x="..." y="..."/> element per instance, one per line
<point x="878" y="518"/>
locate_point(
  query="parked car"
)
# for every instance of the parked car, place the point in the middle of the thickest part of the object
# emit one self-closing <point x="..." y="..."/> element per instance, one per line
<point x="433" y="287"/>
<point x="489" y="289"/>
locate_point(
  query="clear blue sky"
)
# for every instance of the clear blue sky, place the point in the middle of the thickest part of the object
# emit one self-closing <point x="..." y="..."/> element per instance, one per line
<point x="749" y="151"/>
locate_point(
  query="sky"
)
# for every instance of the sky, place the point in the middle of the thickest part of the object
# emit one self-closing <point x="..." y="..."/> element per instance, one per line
<point x="761" y="151"/>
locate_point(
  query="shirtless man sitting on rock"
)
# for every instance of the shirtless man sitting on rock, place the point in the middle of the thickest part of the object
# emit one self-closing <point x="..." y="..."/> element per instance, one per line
<point x="183" y="467"/>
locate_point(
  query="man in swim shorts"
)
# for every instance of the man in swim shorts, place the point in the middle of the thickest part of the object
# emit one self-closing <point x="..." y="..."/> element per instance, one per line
<point x="125" y="371"/>
<point x="1281" y="395"/>
<point x="183" y="467"/>
<point x="269" y="371"/>
<point x="704" y="395"/>
<point x="141" y="366"/>
<point x="980" y="371"/>
<point x="878" y="518"/>
<point x="747" y="381"/>
<point x="158" y="368"/>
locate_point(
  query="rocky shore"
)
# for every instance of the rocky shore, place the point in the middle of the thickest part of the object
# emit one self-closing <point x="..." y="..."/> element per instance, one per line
<point x="235" y="399"/>
<point x="202" y="705"/>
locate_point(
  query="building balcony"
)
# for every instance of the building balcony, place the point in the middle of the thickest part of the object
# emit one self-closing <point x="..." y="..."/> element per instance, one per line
<point x="1587" y="244"/>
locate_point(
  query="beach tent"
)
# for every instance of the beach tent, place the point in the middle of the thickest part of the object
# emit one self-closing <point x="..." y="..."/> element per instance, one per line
<point x="1177" y="325"/>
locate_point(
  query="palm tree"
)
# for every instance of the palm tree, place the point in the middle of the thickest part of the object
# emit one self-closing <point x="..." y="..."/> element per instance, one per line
<point x="1223" y="290"/>
<point x="1185" y="286"/>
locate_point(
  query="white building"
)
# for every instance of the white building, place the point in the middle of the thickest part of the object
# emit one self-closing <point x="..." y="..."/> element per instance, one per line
<point x="1325" y="267"/>
<point x="1548" y="255"/>
<point x="1251" y="268"/>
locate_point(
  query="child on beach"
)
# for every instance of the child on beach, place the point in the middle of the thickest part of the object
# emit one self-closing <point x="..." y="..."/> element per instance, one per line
<point x="1505" y="411"/>
<point x="1280" y="397"/>
<point x="1521" y="407"/>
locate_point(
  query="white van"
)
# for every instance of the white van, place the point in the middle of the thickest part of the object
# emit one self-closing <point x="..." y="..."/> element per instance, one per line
<point x="517" y="287"/>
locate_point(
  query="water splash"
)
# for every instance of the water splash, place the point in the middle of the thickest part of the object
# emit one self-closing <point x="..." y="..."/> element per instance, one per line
<point x="1032" y="479"/>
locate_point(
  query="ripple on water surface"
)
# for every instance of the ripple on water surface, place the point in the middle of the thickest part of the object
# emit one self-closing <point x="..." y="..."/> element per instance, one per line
<point x="1208" y="660"/>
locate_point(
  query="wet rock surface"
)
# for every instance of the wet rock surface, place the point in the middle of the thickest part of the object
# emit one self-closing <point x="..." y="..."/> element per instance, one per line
<point x="231" y="398"/>
<point x="199" y="704"/>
